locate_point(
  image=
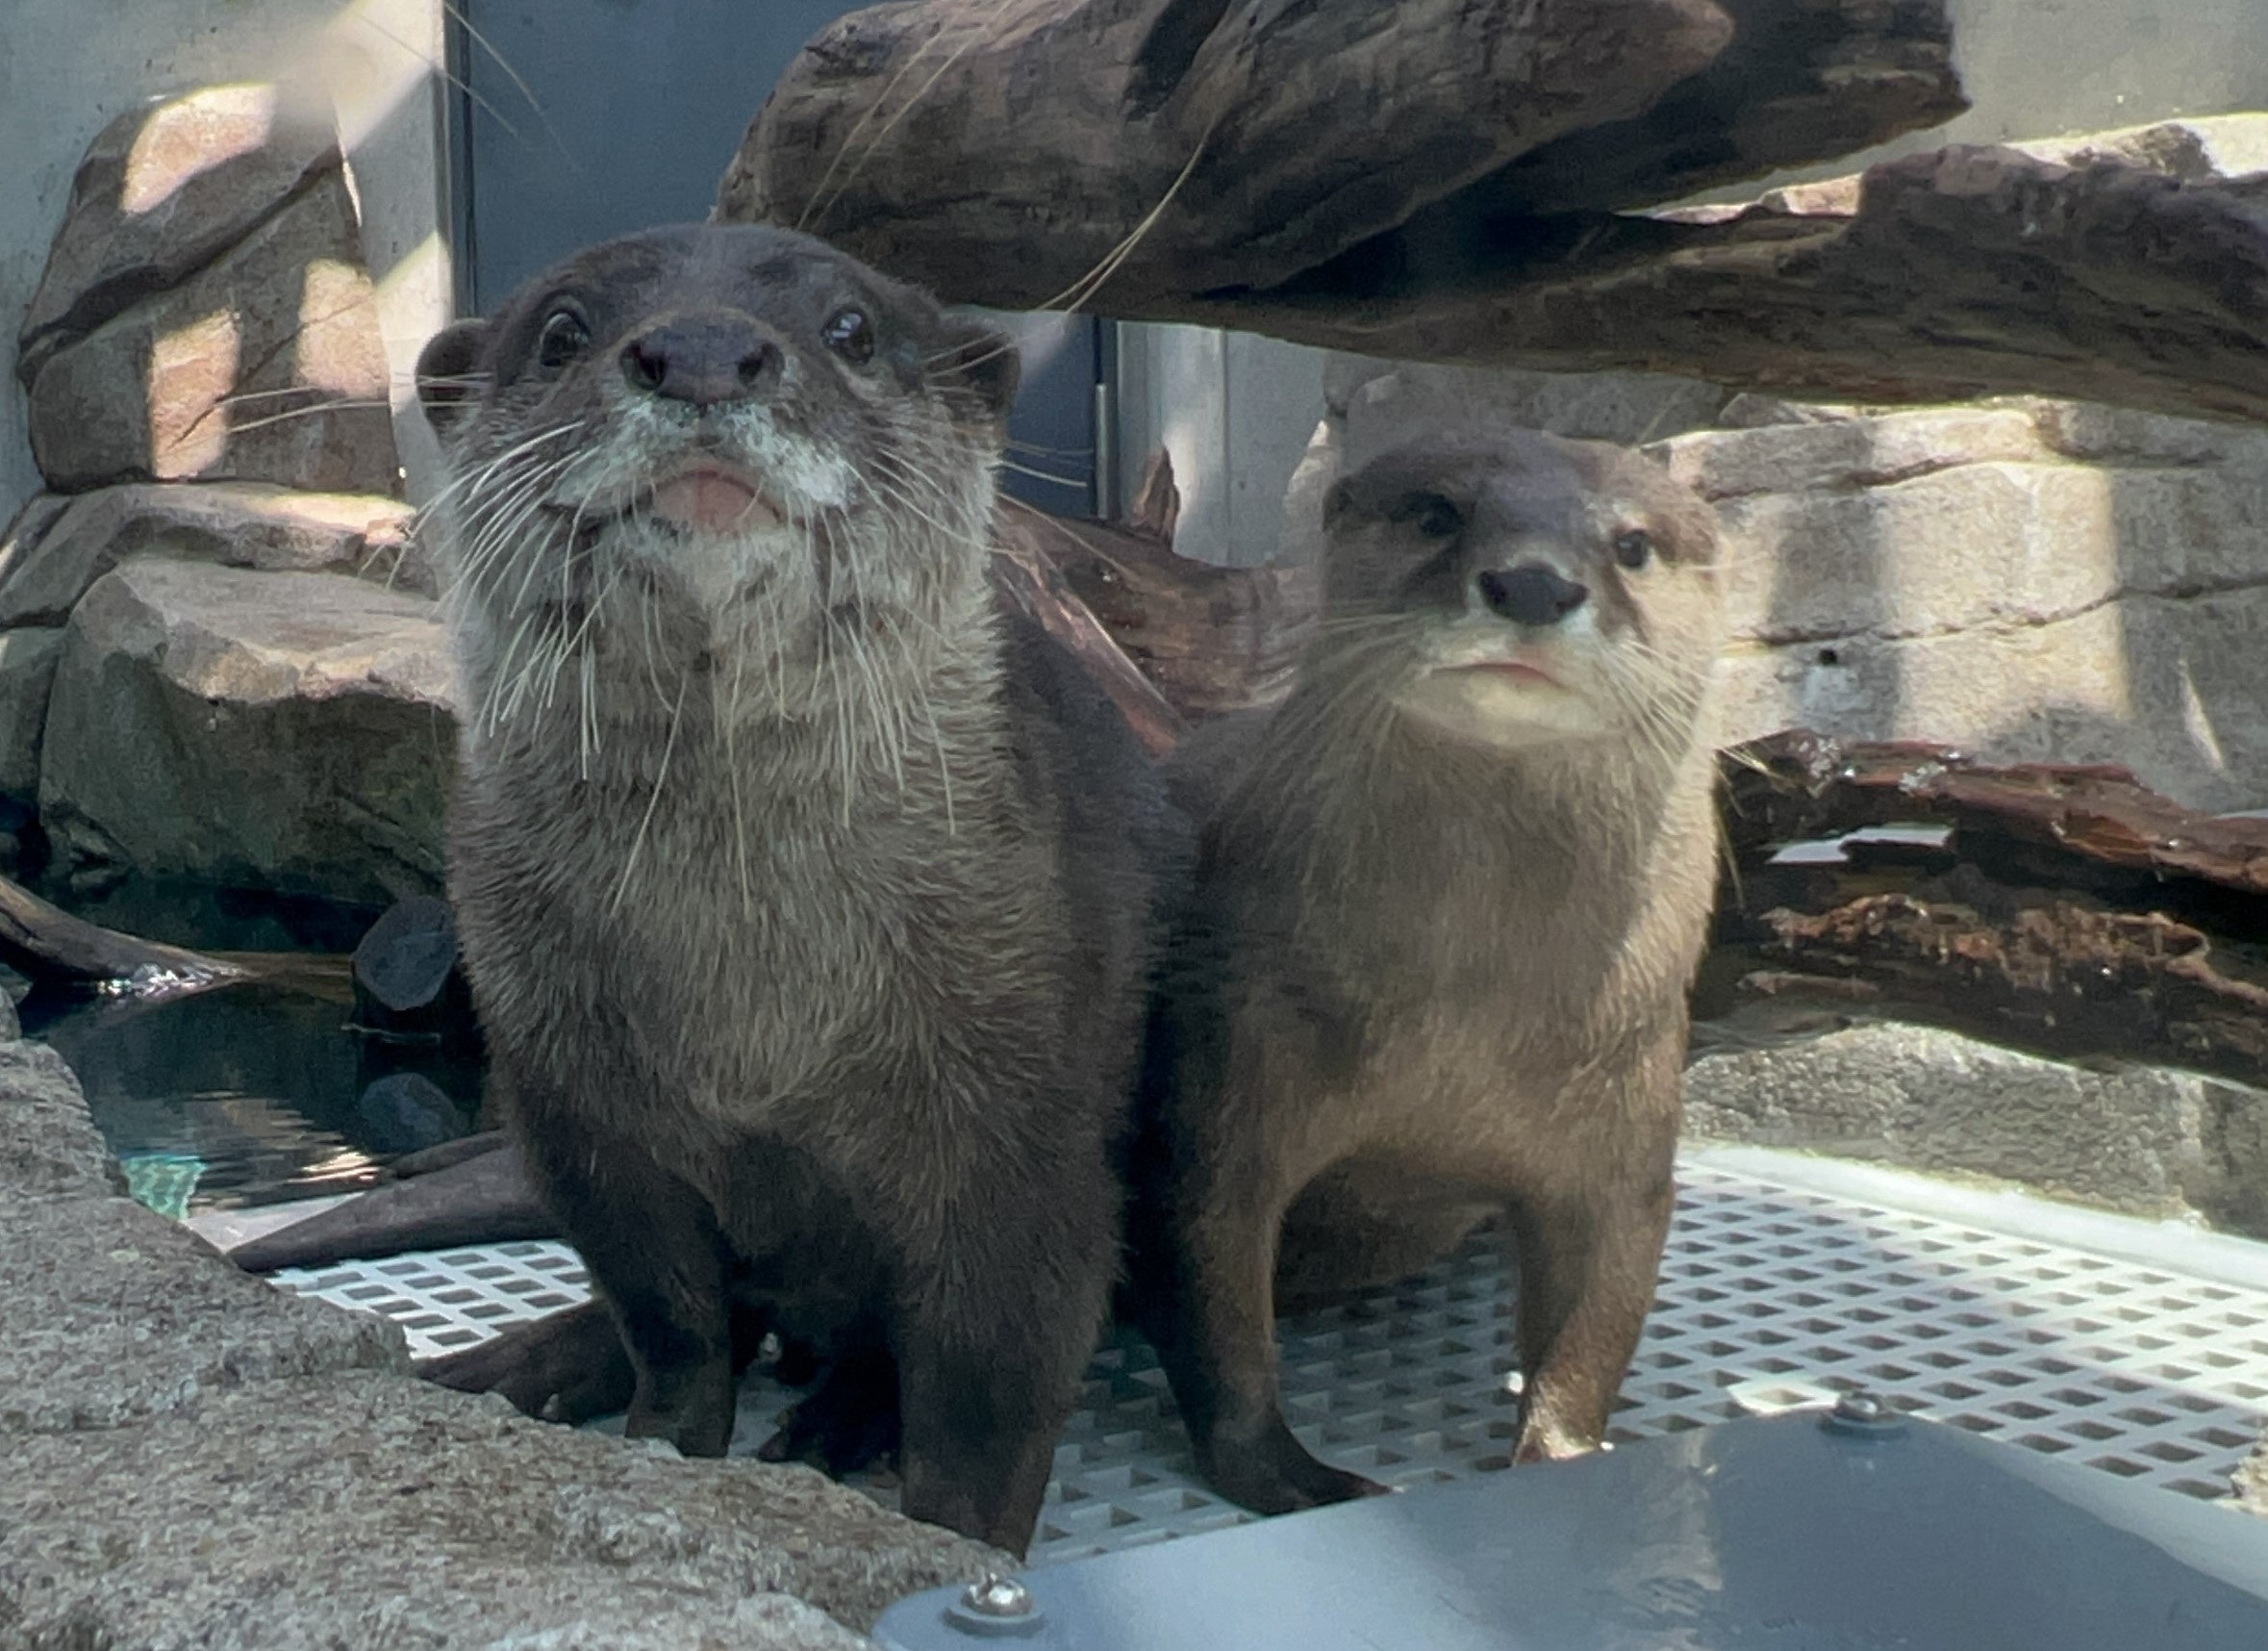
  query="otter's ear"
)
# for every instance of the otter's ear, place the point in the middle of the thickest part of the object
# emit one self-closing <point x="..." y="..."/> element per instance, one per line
<point x="1338" y="504"/>
<point x="447" y="386"/>
<point x="981" y="360"/>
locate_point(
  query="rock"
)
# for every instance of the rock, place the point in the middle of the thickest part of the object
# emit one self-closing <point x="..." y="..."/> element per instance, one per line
<point x="2223" y="148"/>
<point x="1384" y="403"/>
<point x="1842" y="454"/>
<point x="27" y="674"/>
<point x="406" y="974"/>
<point x="2145" y="1140"/>
<point x="164" y="191"/>
<point x="287" y="732"/>
<point x="115" y="1314"/>
<point x="377" y="1512"/>
<point x="2168" y="687"/>
<point x="238" y="524"/>
<point x="265" y="366"/>
<point x="49" y="1147"/>
<point x="29" y="527"/>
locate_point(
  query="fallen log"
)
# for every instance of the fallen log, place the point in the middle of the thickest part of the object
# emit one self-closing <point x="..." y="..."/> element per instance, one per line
<point x="1026" y="580"/>
<point x="485" y="1199"/>
<point x="49" y="945"/>
<point x="2051" y="972"/>
<point x="1210" y="639"/>
<point x="2060" y="824"/>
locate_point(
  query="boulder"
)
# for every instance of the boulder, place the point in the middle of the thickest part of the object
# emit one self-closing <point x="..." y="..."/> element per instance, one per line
<point x="49" y="1147"/>
<point x="29" y="526"/>
<point x="238" y="524"/>
<point x="265" y="365"/>
<point x="2146" y="1140"/>
<point x="381" y="1511"/>
<point x="115" y="1314"/>
<point x="27" y="674"/>
<point x="285" y="731"/>
<point x="163" y="190"/>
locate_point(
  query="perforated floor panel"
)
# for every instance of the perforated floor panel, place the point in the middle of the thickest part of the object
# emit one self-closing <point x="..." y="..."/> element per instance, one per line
<point x="2120" y="1345"/>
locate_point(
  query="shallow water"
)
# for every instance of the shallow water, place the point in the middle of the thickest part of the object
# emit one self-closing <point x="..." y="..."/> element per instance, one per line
<point x="249" y="1094"/>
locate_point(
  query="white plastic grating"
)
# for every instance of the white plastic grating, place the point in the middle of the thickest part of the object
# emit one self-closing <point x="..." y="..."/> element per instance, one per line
<point x="1772" y="1296"/>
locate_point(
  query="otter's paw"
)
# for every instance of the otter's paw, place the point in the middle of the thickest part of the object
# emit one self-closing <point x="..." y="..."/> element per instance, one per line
<point x="1281" y="1477"/>
<point x="851" y="1422"/>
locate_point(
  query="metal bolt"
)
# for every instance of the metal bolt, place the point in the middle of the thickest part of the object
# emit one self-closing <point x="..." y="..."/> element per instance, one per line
<point x="1861" y="1406"/>
<point x="994" y="1605"/>
<point x="1861" y="1414"/>
<point x="998" y="1596"/>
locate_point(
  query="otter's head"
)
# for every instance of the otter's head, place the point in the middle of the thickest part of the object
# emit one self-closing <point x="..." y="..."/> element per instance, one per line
<point x="712" y="422"/>
<point x="1514" y="590"/>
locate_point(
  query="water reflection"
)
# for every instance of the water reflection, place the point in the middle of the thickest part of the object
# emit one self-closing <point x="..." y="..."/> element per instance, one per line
<point x="253" y="1094"/>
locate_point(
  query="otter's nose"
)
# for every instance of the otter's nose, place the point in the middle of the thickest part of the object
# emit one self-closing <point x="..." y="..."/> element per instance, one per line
<point x="704" y="361"/>
<point x="1530" y="594"/>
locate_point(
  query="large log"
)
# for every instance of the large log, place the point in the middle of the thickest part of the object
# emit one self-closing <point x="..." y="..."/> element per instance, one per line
<point x="1001" y="150"/>
<point x="1376" y="179"/>
<point x="2067" y="825"/>
<point x="1961" y="272"/>
<point x="2053" y="973"/>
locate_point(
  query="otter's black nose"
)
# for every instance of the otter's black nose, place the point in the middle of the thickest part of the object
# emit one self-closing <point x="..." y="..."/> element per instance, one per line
<point x="704" y="361"/>
<point x="1530" y="594"/>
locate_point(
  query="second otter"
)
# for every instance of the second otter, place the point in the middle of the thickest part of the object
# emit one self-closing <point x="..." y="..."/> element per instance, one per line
<point x="1449" y="903"/>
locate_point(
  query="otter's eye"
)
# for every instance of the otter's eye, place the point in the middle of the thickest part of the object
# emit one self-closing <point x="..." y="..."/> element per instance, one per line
<point x="1632" y="547"/>
<point x="564" y="336"/>
<point x="850" y="334"/>
<point x="1431" y="515"/>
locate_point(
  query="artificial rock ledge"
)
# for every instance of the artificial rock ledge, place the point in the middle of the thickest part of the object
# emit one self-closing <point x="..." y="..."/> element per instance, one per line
<point x="197" y="1458"/>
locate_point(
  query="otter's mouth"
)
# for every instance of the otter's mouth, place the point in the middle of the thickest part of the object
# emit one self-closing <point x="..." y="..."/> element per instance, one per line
<point x="712" y="498"/>
<point x="1514" y="671"/>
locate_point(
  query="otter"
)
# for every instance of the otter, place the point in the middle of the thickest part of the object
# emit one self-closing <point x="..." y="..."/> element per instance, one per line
<point x="1447" y="902"/>
<point x="803" y="896"/>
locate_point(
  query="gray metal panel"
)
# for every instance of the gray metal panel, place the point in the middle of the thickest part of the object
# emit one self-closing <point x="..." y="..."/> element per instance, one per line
<point x="583" y="119"/>
<point x="1787" y="1533"/>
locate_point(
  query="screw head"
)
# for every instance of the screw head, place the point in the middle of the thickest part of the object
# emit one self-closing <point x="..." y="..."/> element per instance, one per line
<point x="993" y="1595"/>
<point x="1861" y="1406"/>
<point x="995" y="1607"/>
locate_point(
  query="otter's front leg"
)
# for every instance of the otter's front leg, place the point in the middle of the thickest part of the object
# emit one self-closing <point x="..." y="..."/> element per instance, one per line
<point x="654" y="1254"/>
<point x="1002" y="1302"/>
<point x="1209" y="1305"/>
<point x="1588" y="1263"/>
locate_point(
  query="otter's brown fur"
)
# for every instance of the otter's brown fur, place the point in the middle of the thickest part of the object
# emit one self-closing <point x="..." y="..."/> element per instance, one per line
<point x="803" y="900"/>
<point x="1449" y="903"/>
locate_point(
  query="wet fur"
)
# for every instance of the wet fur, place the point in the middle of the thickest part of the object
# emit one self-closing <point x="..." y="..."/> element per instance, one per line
<point x="1424" y="978"/>
<point x="803" y="898"/>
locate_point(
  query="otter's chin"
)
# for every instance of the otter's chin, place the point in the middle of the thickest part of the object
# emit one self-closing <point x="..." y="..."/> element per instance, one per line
<point x="1506" y="707"/>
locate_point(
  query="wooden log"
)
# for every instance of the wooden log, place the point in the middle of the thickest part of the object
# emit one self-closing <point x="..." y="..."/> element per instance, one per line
<point x="2056" y="974"/>
<point x="2062" y="822"/>
<point x="1212" y="640"/>
<point x="1962" y="272"/>
<point x="486" y="1198"/>
<point x="1026" y="580"/>
<point x="49" y="945"/>
<point x="1002" y="150"/>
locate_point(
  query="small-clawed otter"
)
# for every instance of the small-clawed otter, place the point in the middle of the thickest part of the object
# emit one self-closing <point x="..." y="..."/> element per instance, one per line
<point x="803" y="897"/>
<point x="1449" y="901"/>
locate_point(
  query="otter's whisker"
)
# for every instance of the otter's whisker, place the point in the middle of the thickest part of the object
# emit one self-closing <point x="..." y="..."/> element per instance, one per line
<point x="660" y="778"/>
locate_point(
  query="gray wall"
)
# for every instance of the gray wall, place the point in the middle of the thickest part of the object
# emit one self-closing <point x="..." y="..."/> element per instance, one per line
<point x="69" y="66"/>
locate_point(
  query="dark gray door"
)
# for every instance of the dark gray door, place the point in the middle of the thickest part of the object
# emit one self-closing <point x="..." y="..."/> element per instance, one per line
<point x="580" y="120"/>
